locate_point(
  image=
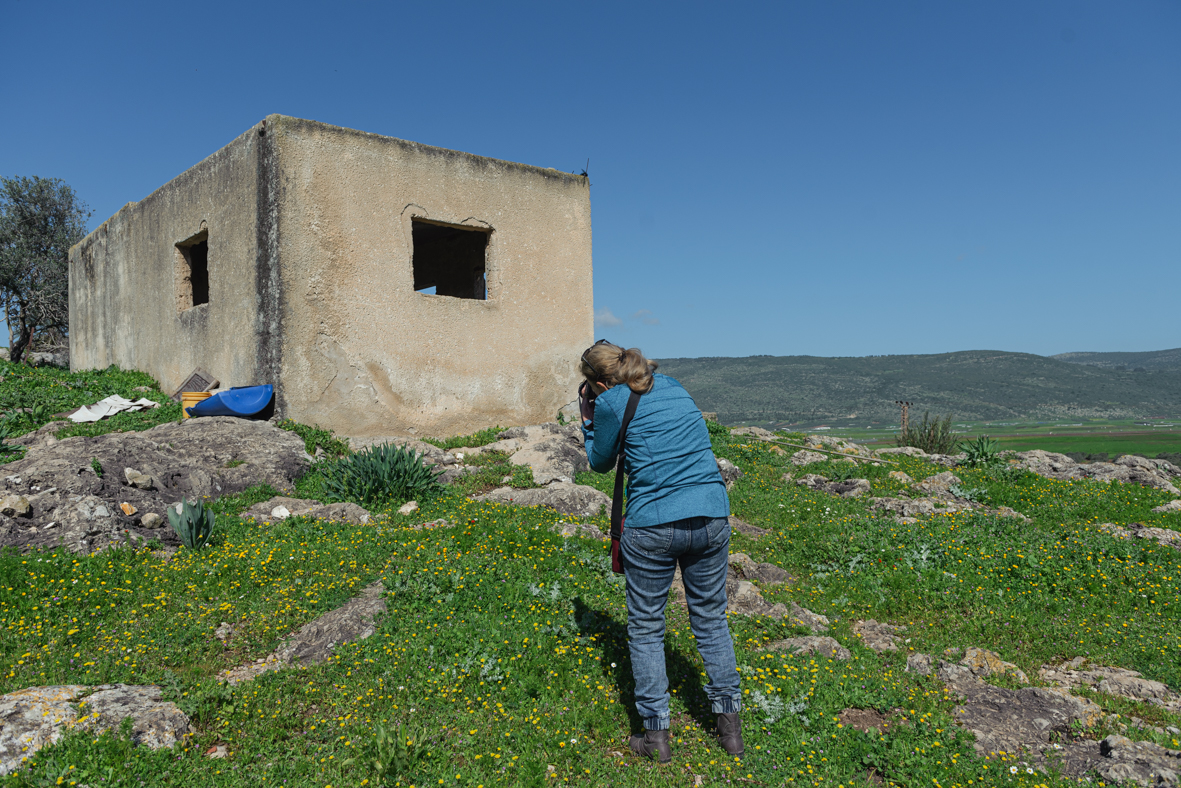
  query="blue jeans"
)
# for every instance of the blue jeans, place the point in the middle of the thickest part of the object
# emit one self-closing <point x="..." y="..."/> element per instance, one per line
<point x="650" y="557"/>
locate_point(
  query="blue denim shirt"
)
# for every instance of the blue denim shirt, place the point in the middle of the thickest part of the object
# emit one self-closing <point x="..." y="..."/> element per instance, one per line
<point x="671" y="470"/>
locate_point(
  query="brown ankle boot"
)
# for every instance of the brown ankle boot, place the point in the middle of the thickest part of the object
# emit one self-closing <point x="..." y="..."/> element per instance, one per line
<point x="652" y="744"/>
<point x="730" y="734"/>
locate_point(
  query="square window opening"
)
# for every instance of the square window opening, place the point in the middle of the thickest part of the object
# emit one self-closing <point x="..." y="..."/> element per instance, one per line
<point x="449" y="260"/>
<point x="192" y="272"/>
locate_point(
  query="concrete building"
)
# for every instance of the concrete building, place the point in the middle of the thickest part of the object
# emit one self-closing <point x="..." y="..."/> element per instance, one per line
<point x="383" y="286"/>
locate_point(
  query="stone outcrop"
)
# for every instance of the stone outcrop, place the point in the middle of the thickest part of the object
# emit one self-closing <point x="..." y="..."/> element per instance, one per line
<point x="316" y="640"/>
<point x="805" y="457"/>
<point x="1137" y="531"/>
<point x="848" y="488"/>
<point x="578" y="500"/>
<point x="1111" y="681"/>
<point x="744" y="567"/>
<point x="72" y="504"/>
<point x="878" y="636"/>
<point x="34" y="717"/>
<point x="819" y="645"/>
<point x="746" y="529"/>
<point x="938" y="484"/>
<point x="730" y="472"/>
<point x="1130" y="468"/>
<point x="915" y="507"/>
<point x="1172" y="506"/>
<point x="280" y="508"/>
<point x="554" y="452"/>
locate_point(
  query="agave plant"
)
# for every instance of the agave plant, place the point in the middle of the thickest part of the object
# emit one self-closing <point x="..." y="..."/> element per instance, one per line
<point x="982" y="451"/>
<point x="192" y="522"/>
<point x="380" y="474"/>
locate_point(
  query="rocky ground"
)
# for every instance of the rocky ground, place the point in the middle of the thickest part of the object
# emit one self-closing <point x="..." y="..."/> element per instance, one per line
<point x="88" y="494"/>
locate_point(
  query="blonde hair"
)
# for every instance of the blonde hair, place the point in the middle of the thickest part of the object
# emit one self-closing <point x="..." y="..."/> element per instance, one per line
<point x="611" y="364"/>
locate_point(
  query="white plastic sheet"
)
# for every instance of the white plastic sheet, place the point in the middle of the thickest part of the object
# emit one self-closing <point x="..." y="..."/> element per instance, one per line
<point x="109" y="407"/>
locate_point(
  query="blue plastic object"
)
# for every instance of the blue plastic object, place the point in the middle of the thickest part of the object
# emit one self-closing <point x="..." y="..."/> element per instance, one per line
<point x="238" y="401"/>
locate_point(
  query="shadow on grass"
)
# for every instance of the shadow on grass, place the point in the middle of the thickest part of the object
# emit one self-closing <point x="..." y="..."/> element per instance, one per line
<point x="684" y="678"/>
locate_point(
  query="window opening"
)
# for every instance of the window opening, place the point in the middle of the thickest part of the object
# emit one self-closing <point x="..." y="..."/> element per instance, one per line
<point x="449" y="260"/>
<point x="193" y="271"/>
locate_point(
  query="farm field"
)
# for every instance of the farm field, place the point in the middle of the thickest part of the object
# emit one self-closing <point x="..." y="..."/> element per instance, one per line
<point x="503" y="658"/>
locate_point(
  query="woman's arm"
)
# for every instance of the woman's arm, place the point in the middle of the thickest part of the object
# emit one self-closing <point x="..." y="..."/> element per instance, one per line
<point x="602" y="437"/>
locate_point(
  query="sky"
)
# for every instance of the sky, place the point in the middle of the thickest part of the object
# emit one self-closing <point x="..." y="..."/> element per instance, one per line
<point x="795" y="178"/>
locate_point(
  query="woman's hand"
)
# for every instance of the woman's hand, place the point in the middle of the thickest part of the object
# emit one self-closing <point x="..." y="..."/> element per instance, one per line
<point x="586" y="403"/>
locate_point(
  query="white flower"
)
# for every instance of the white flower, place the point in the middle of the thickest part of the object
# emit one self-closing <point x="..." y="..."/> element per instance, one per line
<point x="574" y="741"/>
<point x="1012" y="770"/>
<point x="1028" y="770"/>
<point x="612" y="664"/>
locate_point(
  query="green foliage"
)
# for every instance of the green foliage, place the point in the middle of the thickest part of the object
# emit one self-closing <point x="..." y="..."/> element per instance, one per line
<point x="934" y="436"/>
<point x="716" y="427"/>
<point x="193" y="523"/>
<point x="97" y="466"/>
<point x="317" y="436"/>
<point x="982" y="451"/>
<point x="974" y="494"/>
<point x="233" y="505"/>
<point x="393" y="752"/>
<point x="481" y="438"/>
<point x="40" y="219"/>
<point x="379" y="475"/>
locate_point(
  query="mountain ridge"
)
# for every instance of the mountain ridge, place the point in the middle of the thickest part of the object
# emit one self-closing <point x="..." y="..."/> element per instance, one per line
<point x="971" y="384"/>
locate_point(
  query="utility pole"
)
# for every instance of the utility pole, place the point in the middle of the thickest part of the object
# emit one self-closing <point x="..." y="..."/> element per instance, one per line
<point x="905" y="415"/>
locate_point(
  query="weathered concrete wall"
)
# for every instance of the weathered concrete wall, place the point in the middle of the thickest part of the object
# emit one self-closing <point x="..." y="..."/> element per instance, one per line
<point x="124" y="277"/>
<point x="311" y="282"/>
<point x="364" y="354"/>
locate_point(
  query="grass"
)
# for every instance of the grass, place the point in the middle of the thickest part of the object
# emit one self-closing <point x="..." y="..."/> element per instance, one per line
<point x="504" y="652"/>
<point x="481" y="438"/>
<point x="1148" y="444"/>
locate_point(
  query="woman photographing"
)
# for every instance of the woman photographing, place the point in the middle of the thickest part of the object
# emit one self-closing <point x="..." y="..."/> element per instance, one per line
<point x="677" y="513"/>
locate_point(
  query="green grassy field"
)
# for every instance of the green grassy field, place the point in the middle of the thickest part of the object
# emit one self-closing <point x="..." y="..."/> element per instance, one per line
<point x="503" y="659"/>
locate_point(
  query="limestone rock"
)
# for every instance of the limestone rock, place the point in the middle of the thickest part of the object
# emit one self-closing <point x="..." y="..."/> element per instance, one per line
<point x="812" y="644"/>
<point x="901" y="476"/>
<point x="939" y="483"/>
<point x="15" y="506"/>
<point x="317" y="639"/>
<point x="878" y="636"/>
<point x="849" y="488"/>
<point x="745" y="568"/>
<point x="136" y="479"/>
<point x="909" y="451"/>
<point x="746" y="529"/>
<point x="578" y="500"/>
<point x="754" y="432"/>
<point x="1128" y="468"/>
<point x="921" y="664"/>
<point x="185" y="460"/>
<point x="554" y="452"/>
<point x="1172" y="506"/>
<point x="802" y="616"/>
<point x="982" y="662"/>
<point x="1137" y="531"/>
<point x="917" y="507"/>
<point x="33" y="718"/>
<point x="281" y="507"/>
<point x="157" y="723"/>
<point x="805" y="457"/>
<point x="151" y="520"/>
<point x="37" y="716"/>
<point x="730" y="472"/>
<point x="1143" y="763"/>
<point x="1111" y="681"/>
<point x="410" y="507"/>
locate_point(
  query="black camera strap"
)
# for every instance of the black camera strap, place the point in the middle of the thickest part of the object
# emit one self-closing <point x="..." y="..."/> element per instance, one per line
<point x="617" y="500"/>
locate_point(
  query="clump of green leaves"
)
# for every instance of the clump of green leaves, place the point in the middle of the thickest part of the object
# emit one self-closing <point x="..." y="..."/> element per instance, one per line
<point x="481" y="438"/>
<point x="974" y="494"/>
<point x="97" y="466"/>
<point x="934" y="436"/>
<point x="193" y="523"/>
<point x="980" y="452"/>
<point x="378" y="475"/>
<point x="394" y="752"/>
<point x="317" y="436"/>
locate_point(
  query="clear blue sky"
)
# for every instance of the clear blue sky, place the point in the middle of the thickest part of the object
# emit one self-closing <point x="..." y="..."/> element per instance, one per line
<point x="824" y="178"/>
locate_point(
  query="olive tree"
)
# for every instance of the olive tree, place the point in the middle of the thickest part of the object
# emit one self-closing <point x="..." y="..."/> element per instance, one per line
<point x="40" y="219"/>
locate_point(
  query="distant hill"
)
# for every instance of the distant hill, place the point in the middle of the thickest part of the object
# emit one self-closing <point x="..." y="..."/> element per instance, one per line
<point x="972" y="385"/>
<point x="1152" y="361"/>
